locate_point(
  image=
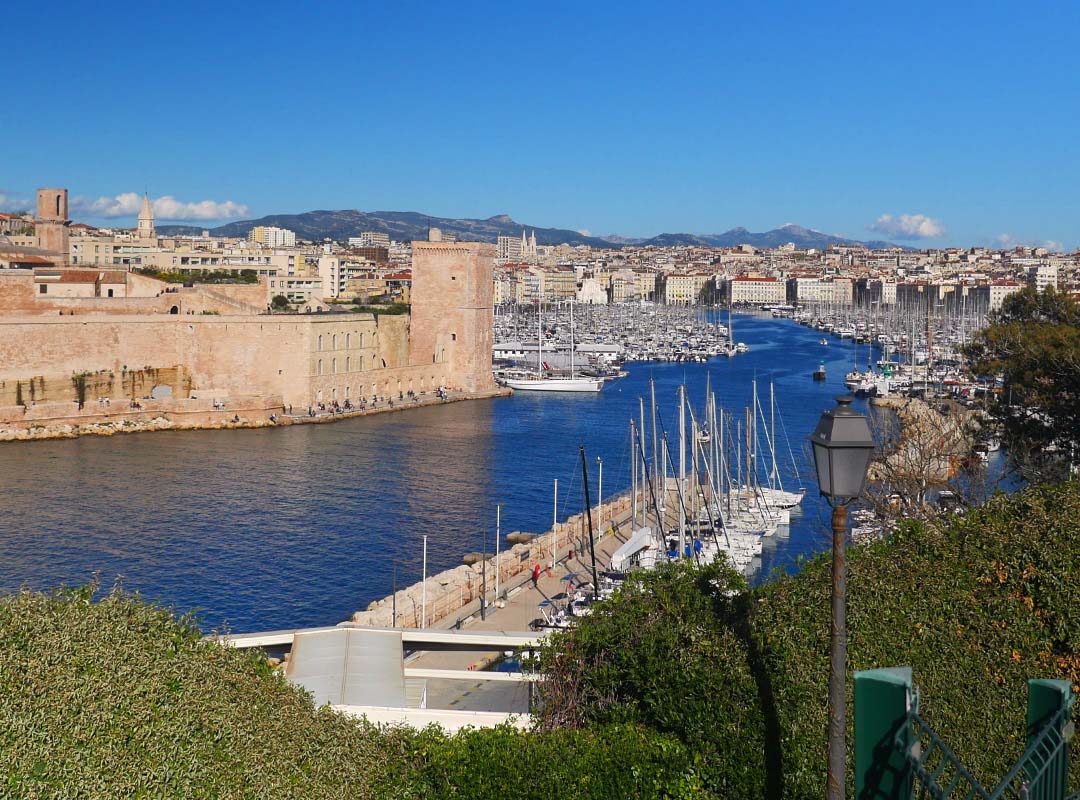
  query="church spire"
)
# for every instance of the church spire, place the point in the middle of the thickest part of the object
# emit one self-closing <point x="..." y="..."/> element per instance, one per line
<point x="146" y="219"/>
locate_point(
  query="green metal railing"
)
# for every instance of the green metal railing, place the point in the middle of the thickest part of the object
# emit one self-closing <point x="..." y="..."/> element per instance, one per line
<point x="899" y="756"/>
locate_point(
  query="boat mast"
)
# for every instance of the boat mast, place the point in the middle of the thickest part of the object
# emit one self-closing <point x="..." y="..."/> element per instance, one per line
<point x="682" y="466"/>
<point x="571" y="339"/>
<point x="774" y="478"/>
<point x="633" y="475"/>
<point x="693" y="489"/>
<point x="540" y="339"/>
<point x="738" y="456"/>
<point x="751" y="467"/>
<point x="644" y="464"/>
<point x="655" y="449"/>
<point x="754" y="440"/>
<point x="710" y="415"/>
<point x="588" y="516"/>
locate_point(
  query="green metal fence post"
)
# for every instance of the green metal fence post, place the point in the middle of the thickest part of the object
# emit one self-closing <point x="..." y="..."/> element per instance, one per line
<point x="1046" y="698"/>
<point x="883" y="703"/>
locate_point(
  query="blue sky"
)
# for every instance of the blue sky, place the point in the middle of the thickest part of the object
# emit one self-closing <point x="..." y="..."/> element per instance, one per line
<point x="935" y="123"/>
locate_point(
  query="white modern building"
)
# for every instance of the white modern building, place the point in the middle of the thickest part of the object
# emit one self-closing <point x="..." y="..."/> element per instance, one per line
<point x="269" y="236"/>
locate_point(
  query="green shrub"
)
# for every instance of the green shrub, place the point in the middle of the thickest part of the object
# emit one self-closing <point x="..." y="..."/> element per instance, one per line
<point x="119" y="699"/>
<point x="975" y="606"/>
<point x="605" y="762"/>
<point x="668" y="653"/>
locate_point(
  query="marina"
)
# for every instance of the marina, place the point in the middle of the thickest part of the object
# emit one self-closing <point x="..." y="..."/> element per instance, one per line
<point x="272" y="528"/>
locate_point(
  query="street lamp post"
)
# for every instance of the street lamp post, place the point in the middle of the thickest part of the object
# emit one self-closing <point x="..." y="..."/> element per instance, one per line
<point x="843" y="445"/>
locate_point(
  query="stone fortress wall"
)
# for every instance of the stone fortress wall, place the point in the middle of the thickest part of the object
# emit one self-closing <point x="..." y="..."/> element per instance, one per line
<point x="192" y="346"/>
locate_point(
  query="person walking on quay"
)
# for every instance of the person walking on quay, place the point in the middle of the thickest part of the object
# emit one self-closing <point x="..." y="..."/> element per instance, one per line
<point x="536" y="576"/>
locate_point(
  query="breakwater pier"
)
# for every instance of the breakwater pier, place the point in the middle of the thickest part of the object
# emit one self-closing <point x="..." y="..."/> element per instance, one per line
<point x="452" y="597"/>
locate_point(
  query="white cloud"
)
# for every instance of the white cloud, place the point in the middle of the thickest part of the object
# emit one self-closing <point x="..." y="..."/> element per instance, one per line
<point x="908" y="226"/>
<point x="1005" y="241"/>
<point x="127" y="204"/>
<point x="10" y="202"/>
<point x="585" y="232"/>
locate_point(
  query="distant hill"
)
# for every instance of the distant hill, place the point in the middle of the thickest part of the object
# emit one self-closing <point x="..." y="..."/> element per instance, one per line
<point x="401" y="225"/>
<point x="803" y="238"/>
<point x="412" y="226"/>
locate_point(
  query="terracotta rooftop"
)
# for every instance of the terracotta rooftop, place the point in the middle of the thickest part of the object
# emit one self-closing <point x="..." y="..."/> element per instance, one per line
<point x="80" y="276"/>
<point x="25" y="259"/>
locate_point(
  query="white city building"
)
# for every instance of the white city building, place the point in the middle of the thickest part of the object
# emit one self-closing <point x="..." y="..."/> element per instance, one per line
<point x="269" y="236"/>
<point x="757" y="290"/>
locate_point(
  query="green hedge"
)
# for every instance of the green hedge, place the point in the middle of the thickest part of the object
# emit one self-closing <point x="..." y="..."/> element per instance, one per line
<point x="606" y="762"/>
<point x="976" y="607"/>
<point x="118" y="698"/>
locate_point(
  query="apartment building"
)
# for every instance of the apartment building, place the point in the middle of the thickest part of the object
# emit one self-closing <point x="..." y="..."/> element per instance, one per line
<point x="749" y="290"/>
<point x="269" y="236"/>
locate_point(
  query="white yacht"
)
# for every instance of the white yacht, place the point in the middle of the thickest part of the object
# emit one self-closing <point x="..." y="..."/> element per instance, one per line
<point x="552" y="383"/>
<point x="538" y="384"/>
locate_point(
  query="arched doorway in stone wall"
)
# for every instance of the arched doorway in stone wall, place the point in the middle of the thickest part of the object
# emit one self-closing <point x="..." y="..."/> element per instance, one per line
<point x="174" y="310"/>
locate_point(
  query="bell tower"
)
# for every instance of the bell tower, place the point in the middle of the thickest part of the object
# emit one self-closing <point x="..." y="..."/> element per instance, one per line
<point x="51" y="223"/>
<point x="146" y="220"/>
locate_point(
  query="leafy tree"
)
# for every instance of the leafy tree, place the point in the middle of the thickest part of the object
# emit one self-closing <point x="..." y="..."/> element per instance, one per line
<point x="1033" y="344"/>
<point x="923" y="449"/>
<point x="280" y="302"/>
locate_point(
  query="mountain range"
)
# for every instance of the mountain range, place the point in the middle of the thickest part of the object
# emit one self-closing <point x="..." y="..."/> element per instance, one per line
<point x="412" y="226"/>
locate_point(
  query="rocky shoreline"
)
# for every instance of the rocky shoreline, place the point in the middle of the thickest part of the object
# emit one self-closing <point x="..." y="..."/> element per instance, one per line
<point x="229" y="417"/>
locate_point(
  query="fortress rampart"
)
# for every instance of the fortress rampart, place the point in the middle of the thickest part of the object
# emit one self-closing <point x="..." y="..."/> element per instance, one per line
<point x="103" y="363"/>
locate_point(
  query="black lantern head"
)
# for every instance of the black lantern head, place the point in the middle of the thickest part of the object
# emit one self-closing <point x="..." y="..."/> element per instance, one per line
<point x="843" y="446"/>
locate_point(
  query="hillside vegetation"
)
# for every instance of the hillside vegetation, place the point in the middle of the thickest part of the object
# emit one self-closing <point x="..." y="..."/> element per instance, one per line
<point x="976" y="607"/>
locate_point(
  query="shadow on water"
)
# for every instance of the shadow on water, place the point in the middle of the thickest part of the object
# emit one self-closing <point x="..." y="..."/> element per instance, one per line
<point x="277" y="528"/>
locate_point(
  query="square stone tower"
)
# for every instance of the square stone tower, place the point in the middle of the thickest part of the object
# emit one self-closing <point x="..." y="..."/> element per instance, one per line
<point x="51" y="224"/>
<point x="452" y="317"/>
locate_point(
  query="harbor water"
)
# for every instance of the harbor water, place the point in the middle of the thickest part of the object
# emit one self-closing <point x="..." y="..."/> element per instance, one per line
<point x="280" y="528"/>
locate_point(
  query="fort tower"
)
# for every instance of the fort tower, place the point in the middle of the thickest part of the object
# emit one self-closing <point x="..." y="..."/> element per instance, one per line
<point x="51" y="224"/>
<point x="452" y="310"/>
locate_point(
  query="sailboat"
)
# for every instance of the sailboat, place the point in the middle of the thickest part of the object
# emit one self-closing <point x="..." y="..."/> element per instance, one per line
<point x="553" y="383"/>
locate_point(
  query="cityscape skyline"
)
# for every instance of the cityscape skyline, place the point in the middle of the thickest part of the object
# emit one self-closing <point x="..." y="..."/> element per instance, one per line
<point x="926" y="126"/>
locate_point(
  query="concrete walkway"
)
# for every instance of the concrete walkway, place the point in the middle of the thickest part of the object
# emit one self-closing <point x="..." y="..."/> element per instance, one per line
<point x="519" y="609"/>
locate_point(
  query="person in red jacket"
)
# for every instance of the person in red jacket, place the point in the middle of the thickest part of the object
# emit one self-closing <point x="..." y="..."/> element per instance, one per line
<point x="536" y="576"/>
